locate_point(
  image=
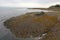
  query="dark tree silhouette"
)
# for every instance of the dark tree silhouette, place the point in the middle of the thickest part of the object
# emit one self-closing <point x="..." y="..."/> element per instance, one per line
<point x="57" y="5"/>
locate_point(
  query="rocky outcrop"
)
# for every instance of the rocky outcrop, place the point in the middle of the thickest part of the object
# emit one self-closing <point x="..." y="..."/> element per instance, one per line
<point x="26" y="25"/>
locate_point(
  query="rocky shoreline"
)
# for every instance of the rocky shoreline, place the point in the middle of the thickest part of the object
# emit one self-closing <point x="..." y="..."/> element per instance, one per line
<point x="35" y="24"/>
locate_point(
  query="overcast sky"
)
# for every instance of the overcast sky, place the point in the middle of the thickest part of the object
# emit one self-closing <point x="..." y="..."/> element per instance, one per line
<point x="28" y="3"/>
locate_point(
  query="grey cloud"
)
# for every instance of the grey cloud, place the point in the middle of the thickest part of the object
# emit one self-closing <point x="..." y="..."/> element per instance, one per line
<point x="37" y="1"/>
<point x="15" y="2"/>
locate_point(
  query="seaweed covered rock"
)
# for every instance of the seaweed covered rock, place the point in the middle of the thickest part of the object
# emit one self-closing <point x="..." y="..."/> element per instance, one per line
<point x="41" y="13"/>
<point x="26" y="25"/>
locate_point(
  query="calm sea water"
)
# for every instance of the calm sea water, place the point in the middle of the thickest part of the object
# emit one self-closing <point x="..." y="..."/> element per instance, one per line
<point x="6" y="13"/>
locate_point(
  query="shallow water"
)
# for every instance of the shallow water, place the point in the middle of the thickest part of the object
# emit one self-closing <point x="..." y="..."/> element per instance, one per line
<point x="6" y="13"/>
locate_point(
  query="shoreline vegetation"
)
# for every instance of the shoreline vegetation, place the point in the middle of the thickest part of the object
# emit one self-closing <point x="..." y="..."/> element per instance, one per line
<point x="53" y="8"/>
<point x="36" y="23"/>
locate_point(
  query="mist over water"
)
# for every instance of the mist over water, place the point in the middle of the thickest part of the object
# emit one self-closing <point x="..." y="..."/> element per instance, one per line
<point x="6" y="13"/>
